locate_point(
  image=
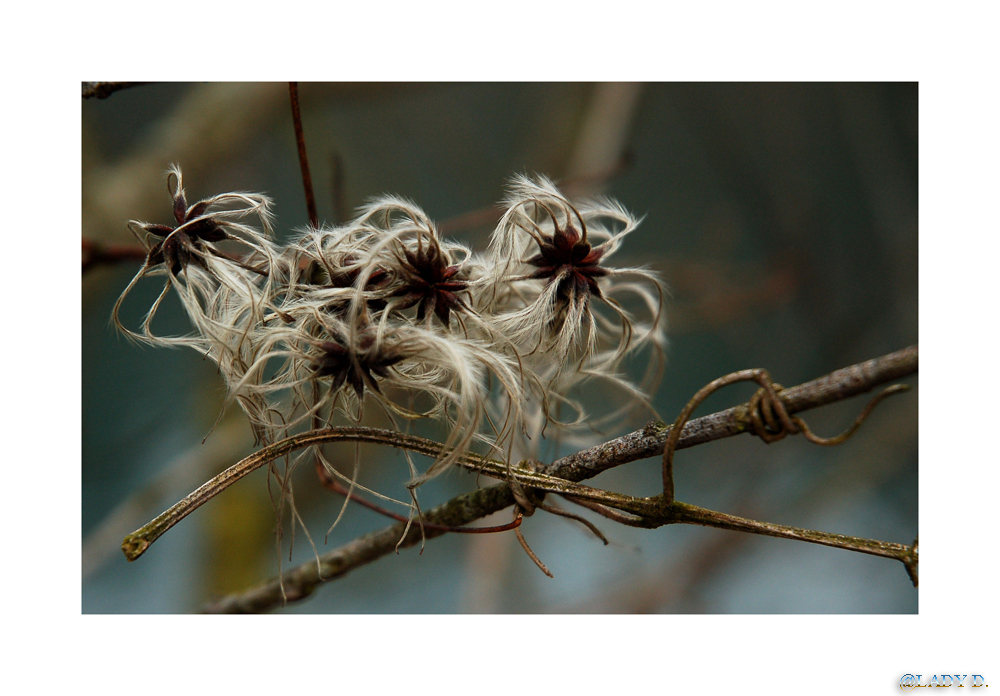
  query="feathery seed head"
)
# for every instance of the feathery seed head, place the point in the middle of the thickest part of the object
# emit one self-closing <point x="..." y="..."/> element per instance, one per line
<point x="343" y="316"/>
<point x="430" y="281"/>
<point x="205" y="277"/>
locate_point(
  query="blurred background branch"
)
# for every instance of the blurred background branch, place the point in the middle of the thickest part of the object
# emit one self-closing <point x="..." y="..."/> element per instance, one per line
<point x="103" y="90"/>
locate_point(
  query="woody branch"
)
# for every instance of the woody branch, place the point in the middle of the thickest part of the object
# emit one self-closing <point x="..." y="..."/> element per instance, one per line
<point x="845" y="383"/>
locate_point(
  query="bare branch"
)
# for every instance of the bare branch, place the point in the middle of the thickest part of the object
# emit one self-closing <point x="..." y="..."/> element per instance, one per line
<point x="300" y="582"/>
<point x="691" y="514"/>
<point x="648" y="442"/>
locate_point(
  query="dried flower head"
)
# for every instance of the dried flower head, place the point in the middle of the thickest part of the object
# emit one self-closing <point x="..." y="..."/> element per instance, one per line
<point x="206" y="276"/>
<point x="550" y="266"/>
<point x="552" y="292"/>
<point x="430" y="281"/>
<point x="327" y="368"/>
<point x="326" y="263"/>
<point x="385" y="312"/>
<point x="355" y="362"/>
<point x="425" y="271"/>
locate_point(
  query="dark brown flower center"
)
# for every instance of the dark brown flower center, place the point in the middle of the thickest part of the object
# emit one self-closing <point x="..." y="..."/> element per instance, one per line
<point x="431" y="283"/>
<point x="356" y="366"/>
<point x="566" y="257"/>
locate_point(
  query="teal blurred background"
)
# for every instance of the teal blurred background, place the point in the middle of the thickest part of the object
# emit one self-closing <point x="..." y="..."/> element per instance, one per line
<point x="783" y="218"/>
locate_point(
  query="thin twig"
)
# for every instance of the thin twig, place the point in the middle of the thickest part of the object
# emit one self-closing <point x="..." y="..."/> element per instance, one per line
<point x="658" y="512"/>
<point x="187" y="469"/>
<point x="300" y="140"/>
<point x="340" y="489"/>
<point x="548" y="507"/>
<point x="136" y="543"/>
<point x="692" y="514"/>
<point x="527" y="549"/>
<point x="648" y="442"/>
<point x="97" y="254"/>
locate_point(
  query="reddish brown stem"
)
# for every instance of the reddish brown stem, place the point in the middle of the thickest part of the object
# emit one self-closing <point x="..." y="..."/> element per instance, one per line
<point x="327" y="480"/>
<point x="300" y="140"/>
<point x="95" y="254"/>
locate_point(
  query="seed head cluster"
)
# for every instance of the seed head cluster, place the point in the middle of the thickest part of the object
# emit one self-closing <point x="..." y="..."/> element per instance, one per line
<point x="383" y="312"/>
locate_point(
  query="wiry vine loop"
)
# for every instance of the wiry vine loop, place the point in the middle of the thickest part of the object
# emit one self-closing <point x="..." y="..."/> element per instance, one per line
<point x="838" y="439"/>
<point x="758" y="375"/>
<point x="768" y="418"/>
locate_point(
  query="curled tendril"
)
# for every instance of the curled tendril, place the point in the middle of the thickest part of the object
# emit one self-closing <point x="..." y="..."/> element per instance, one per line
<point x="768" y="418"/>
<point x="770" y="427"/>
